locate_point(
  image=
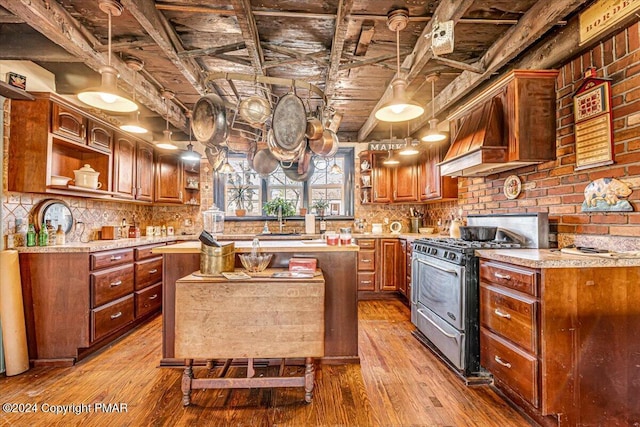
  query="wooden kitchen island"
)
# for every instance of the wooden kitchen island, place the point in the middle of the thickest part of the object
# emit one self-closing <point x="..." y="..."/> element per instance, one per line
<point x="338" y="263"/>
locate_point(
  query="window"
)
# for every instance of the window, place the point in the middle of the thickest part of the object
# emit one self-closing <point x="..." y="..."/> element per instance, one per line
<point x="246" y="188"/>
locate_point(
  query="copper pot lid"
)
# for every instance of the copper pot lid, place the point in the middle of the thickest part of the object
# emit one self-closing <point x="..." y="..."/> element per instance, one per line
<point x="289" y="123"/>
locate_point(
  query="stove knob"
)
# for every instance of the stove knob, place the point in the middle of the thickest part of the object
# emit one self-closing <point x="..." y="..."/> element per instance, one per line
<point x="451" y="256"/>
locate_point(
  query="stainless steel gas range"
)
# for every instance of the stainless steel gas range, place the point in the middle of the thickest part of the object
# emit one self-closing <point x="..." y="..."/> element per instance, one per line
<point x="444" y="291"/>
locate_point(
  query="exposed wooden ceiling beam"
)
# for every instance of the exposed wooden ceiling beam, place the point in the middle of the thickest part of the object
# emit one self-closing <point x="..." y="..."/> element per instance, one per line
<point x="213" y="51"/>
<point x="247" y="24"/>
<point x="235" y="59"/>
<point x="54" y="22"/>
<point x="337" y="46"/>
<point x="367" y="30"/>
<point x="533" y="24"/>
<point x="314" y="56"/>
<point x="375" y="60"/>
<point x="156" y="25"/>
<point x="117" y="45"/>
<point x="194" y="9"/>
<point x="294" y="59"/>
<point x="421" y="54"/>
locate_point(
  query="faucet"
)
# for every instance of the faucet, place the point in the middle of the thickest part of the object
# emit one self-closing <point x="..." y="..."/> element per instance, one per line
<point x="280" y="219"/>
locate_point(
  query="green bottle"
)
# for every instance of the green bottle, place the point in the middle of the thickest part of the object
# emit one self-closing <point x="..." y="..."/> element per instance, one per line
<point x="31" y="236"/>
<point x="43" y="237"/>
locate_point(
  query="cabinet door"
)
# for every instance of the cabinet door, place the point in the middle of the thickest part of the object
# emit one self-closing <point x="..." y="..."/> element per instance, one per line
<point x="388" y="265"/>
<point x="168" y="178"/>
<point x="431" y="185"/>
<point x="124" y="166"/>
<point x="401" y="267"/>
<point x="144" y="172"/>
<point x="68" y="123"/>
<point x="380" y="180"/>
<point x="405" y="184"/>
<point x="100" y="137"/>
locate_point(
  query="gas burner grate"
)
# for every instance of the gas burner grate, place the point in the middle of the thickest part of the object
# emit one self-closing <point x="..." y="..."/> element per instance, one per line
<point x="461" y="245"/>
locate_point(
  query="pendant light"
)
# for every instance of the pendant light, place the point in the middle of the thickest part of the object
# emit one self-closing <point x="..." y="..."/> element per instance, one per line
<point x="400" y="108"/>
<point x="190" y="155"/>
<point x="107" y="96"/>
<point x="390" y="160"/>
<point x="166" y="143"/>
<point x="409" y="145"/>
<point x="226" y="167"/>
<point x="433" y="134"/>
<point x="133" y="125"/>
<point x="335" y="169"/>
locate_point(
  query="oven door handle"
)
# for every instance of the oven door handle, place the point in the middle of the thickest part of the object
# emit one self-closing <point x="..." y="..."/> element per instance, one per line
<point x="442" y="331"/>
<point x="446" y="270"/>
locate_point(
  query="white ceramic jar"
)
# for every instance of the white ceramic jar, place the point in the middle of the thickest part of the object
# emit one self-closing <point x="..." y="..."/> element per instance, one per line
<point x="87" y="177"/>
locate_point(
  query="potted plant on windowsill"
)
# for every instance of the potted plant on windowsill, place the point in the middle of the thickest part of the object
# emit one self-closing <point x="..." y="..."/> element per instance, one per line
<point x="321" y="206"/>
<point x="278" y="204"/>
<point x="240" y="195"/>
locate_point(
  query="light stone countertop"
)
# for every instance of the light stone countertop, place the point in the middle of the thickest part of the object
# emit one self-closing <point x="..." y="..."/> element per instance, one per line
<point x="102" y="245"/>
<point x="553" y="258"/>
<point x="243" y="246"/>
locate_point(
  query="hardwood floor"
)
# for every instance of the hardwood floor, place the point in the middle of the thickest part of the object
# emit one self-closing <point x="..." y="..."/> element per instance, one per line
<point x="399" y="383"/>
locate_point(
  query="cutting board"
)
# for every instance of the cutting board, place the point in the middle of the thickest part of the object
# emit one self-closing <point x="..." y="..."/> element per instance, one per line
<point x="574" y="251"/>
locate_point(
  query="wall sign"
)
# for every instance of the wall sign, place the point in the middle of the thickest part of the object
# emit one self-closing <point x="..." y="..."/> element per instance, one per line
<point x="603" y="15"/>
<point x="593" y="122"/>
<point x="386" y="146"/>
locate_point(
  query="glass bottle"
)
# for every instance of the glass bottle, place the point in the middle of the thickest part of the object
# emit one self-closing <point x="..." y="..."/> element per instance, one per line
<point x="51" y="233"/>
<point x="31" y="236"/>
<point x="60" y="236"/>
<point x="43" y="236"/>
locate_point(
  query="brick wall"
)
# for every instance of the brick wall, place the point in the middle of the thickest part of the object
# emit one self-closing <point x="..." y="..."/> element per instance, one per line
<point x="554" y="186"/>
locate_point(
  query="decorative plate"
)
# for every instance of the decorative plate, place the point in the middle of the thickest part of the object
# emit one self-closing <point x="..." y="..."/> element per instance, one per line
<point x="512" y="187"/>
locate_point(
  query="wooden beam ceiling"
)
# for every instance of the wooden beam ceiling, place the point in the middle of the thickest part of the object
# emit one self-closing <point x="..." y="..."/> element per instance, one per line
<point x="337" y="46"/>
<point x="54" y="22"/>
<point x="533" y="24"/>
<point x="247" y="24"/>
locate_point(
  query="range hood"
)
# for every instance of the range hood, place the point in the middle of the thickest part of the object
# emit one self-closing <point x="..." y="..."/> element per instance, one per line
<point x="509" y="125"/>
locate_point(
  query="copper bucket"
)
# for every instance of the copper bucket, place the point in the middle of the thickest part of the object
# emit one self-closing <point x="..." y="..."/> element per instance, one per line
<point x="215" y="260"/>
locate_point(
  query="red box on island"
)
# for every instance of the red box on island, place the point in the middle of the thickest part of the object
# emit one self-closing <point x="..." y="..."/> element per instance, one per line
<point x="303" y="265"/>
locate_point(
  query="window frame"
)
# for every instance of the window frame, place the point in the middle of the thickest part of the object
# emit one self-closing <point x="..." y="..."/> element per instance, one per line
<point x="348" y="153"/>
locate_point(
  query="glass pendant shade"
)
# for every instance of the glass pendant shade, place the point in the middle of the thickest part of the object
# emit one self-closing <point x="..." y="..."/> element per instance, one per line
<point x="190" y="155"/>
<point x="409" y="149"/>
<point x="107" y="96"/>
<point x="166" y="143"/>
<point x="390" y="160"/>
<point x="433" y="134"/>
<point x="226" y="168"/>
<point x="400" y="108"/>
<point x="134" y="125"/>
<point x="335" y="169"/>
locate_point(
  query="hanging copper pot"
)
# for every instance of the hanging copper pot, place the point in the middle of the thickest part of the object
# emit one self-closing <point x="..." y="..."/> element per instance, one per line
<point x="209" y="120"/>
<point x="264" y="163"/>
<point x="314" y="128"/>
<point x="289" y="122"/>
<point x="325" y="145"/>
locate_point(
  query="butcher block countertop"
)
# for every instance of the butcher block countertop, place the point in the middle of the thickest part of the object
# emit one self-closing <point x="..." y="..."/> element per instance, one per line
<point x="554" y="258"/>
<point x="266" y="246"/>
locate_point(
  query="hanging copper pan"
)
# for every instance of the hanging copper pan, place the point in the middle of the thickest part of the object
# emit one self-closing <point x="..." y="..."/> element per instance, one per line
<point x="264" y="163"/>
<point x="289" y="122"/>
<point x="209" y="120"/>
<point x="314" y="128"/>
<point x="278" y="152"/>
<point x="300" y="170"/>
<point x="326" y="144"/>
<point x="255" y="110"/>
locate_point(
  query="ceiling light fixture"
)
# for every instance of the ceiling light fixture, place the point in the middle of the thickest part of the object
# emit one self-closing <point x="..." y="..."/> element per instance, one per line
<point x="226" y="167"/>
<point x="409" y="145"/>
<point x="433" y="134"/>
<point x="107" y="96"/>
<point x="166" y="143"/>
<point x="190" y="155"/>
<point x="400" y="108"/>
<point x="134" y="125"/>
<point x="335" y="169"/>
<point x="390" y="160"/>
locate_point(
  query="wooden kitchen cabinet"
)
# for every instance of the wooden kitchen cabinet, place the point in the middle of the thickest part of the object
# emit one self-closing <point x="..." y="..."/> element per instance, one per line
<point x="405" y="183"/>
<point x="169" y="178"/>
<point x="562" y="342"/>
<point x="76" y="303"/>
<point x="402" y="268"/>
<point x="99" y="136"/>
<point x="381" y="178"/>
<point x="133" y="168"/>
<point x="387" y="267"/>
<point x="366" y="264"/>
<point x="431" y="185"/>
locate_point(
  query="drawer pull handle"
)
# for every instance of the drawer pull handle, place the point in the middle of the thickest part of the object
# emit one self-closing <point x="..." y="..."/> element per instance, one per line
<point x="501" y="314"/>
<point x="502" y="276"/>
<point x="505" y="364"/>
<point x="116" y="283"/>
<point x="365" y="282"/>
<point x="115" y="316"/>
<point x="116" y="258"/>
<point x="154" y="296"/>
<point x="366" y="260"/>
<point x="154" y="271"/>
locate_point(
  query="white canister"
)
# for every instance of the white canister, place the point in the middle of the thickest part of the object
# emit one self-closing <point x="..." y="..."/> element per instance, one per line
<point x="310" y="224"/>
<point x="87" y="177"/>
<point x="376" y="228"/>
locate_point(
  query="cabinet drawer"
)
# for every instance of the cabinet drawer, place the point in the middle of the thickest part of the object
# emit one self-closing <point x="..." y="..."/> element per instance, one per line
<point x="366" y="281"/>
<point x="511" y="315"/>
<point x="518" y="278"/>
<point x="111" y="258"/>
<point x="111" y="317"/>
<point x="366" y="260"/>
<point x="511" y="365"/>
<point x="144" y="252"/>
<point x="111" y="284"/>
<point x="148" y="300"/>
<point x="367" y="243"/>
<point x="148" y="272"/>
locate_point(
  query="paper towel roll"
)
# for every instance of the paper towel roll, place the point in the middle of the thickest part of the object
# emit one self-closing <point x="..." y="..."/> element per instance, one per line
<point x="14" y="335"/>
<point x="310" y="224"/>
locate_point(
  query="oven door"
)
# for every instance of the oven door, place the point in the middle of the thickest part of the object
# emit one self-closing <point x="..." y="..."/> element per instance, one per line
<point x="439" y="286"/>
<point x="447" y="339"/>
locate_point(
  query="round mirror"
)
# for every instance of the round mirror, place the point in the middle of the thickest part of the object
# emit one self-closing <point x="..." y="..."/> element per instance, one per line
<point x="57" y="211"/>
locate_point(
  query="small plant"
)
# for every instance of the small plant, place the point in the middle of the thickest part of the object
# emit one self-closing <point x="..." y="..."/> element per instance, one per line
<point x="320" y="206"/>
<point x="271" y="207"/>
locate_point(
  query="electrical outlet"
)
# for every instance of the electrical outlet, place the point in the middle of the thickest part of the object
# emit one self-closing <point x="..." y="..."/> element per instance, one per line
<point x="386" y="220"/>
